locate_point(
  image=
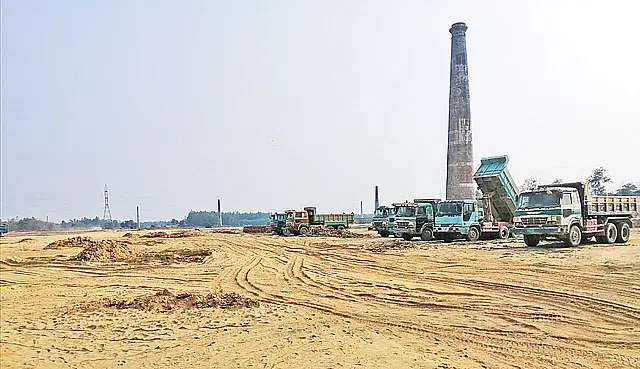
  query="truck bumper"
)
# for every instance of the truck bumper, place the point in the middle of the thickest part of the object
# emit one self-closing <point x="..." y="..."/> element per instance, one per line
<point x="400" y="231"/>
<point x="451" y="229"/>
<point x="542" y="231"/>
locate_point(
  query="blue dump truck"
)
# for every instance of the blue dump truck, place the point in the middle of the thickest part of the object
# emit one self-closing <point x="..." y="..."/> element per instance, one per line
<point x="4" y="228"/>
<point x="490" y="217"/>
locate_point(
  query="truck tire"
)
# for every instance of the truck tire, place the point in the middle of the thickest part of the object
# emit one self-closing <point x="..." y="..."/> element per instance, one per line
<point x="531" y="240"/>
<point x="286" y="232"/>
<point x="610" y="233"/>
<point x="473" y="235"/>
<point x="503" y="233"/>
<point x="407" y="236"/>
<point x="624" y="233"/>
<point x="574" y="237"/>
<point x="341" y="228"/>
<point x="426" y="234"/>
<point x="383" y="233"/>
<point x="331" y="227"/>
<point x="304" y="231"/>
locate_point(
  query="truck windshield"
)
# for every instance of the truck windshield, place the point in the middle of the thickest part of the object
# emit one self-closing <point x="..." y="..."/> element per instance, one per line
<point x="449" y="208"/>
<point x="539" y="200"/>
<point x="379" y="213"/>
<point x="406" y="211"/>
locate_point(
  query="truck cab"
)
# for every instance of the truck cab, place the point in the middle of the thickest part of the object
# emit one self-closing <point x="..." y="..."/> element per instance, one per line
<point x="415" y="219"/>
<point x="296" y="222"/>
<point x="384" y="220"/>
<point x="4" y="228"/>
<point x="278" y="220"/>
<point x="458" y="219"/>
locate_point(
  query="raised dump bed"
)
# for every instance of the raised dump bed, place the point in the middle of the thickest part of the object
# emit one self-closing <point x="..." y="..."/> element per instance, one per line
<point x="496" y="183"/>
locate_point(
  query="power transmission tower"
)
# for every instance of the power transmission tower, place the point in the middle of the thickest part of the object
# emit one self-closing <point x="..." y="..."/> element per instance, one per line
<point x="107" y="210"/>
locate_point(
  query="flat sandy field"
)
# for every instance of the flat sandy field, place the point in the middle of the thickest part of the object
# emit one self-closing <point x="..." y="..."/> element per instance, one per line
<point x="322" y="302"/>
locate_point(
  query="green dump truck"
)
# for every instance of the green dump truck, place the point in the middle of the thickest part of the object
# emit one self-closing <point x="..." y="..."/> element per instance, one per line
<point x="383" y="220"/>
<point x="301" y="222"/>
<point x="278" y="220"/>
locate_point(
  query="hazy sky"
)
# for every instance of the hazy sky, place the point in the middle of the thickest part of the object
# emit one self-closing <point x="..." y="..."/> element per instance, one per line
<point x="281" y="104"/>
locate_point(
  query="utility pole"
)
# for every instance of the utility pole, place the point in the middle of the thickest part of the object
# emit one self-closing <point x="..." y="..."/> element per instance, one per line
<point x="219" y="215"/>
<point x="138" y="216"/>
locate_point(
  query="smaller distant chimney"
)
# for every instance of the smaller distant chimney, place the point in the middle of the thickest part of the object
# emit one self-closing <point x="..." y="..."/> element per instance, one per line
<point x="219" y="215"/>
<point x="138" y="216"/>
<point x="361" y="209"/>
<point x="377" y="201"/>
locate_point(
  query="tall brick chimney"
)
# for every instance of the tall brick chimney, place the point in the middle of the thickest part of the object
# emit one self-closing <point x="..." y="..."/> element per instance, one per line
<point x="460" y="151"/>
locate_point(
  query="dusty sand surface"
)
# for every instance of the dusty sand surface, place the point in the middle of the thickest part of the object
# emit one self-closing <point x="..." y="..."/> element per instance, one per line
<point x="323" y="303"/>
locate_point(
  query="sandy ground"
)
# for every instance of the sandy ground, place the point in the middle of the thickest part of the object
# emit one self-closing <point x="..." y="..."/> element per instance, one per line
<point x="325" y="303"/>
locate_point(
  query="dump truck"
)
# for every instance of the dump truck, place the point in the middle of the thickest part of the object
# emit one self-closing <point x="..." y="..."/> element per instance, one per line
<point x="566" y="211"/>
<point x="415" y="219"/>
<point x="300" y="222"/>
<point x="4" y="228"/>
<point x="383" y="220"/>
<point x="489" y="217"/>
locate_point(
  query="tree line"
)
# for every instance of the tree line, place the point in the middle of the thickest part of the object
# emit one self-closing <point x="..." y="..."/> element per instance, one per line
<point x="597" y="181"/>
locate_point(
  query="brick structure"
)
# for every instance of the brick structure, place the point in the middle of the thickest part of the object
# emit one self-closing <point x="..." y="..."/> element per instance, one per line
<point x="460" y="183"/>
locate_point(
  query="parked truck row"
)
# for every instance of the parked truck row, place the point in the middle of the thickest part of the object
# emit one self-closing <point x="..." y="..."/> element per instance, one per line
<point x="564" y="211"/>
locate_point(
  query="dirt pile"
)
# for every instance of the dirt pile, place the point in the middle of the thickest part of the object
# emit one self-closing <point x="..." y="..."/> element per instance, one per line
<point x="108" y="250"/>
<point x="71" y="242"/>
<point x="167" y="301"/>
<point x="257" y="229"/>
<point x="391" y="245"/>
<point x="159" y="234"/>
<point x="25" y="240"/>
<point x="174" y="256"/>
<point x="227" y="231"/>
<point x="130" y="235"/>
<point x="321" y="232"/>
<point x="187" y="233"/>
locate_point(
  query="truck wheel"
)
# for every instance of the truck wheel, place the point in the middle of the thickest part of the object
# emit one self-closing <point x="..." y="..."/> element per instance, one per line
<point x="574" y="236"/>
<point x="503" y="233"/>
<point x="624" y="232"/>
<point x="341" y="228"/>
<point x="610" y="233"/>
<point x="426" y="234"/>
<point x="331" y="227"/>
<point x="407" y="236"/>
<point x="473" y="235"/>
<point x="531" y="240"/>
<point x="304" y="231"/>
<point x="384" y="233"/>
<point x="286" y="232"/>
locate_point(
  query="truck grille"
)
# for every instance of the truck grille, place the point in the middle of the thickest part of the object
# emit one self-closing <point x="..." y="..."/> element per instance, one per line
<point x="403" y="224"/>
<point x="534" y="221"/>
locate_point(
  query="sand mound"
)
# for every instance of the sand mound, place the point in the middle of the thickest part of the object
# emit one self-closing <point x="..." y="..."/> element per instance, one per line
<point x="25" y="240"/>
<point x="392" y="245"/>
<point x="130" y="235"/>
<point x="321" y="232"/>
<point x="175" y="256"/>
<point x="71" y="242"/>
<point x="167" y="301"/>
<point x="257" y="229"/>
<point x="155" y="235"/>
<point x="108" y="250"/>
<point x="226" y="231"/>
<point x="187" y="233"/>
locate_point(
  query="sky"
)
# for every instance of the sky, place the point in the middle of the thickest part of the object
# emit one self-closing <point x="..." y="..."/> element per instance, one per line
<point x="272" y="105"/>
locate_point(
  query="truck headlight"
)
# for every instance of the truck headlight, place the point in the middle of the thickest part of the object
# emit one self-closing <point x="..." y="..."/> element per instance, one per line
<point x="517" y="220"/>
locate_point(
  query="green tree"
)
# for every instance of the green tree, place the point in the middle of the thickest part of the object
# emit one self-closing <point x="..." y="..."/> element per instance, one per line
<point x="628" y="189"/>
<point x="597" y="181"/>
<point x="529" y="184"/>
<point x="557" y="180"/>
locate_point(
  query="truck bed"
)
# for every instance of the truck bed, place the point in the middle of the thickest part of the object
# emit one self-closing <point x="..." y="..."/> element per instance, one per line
<point x="495" y="182"/>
